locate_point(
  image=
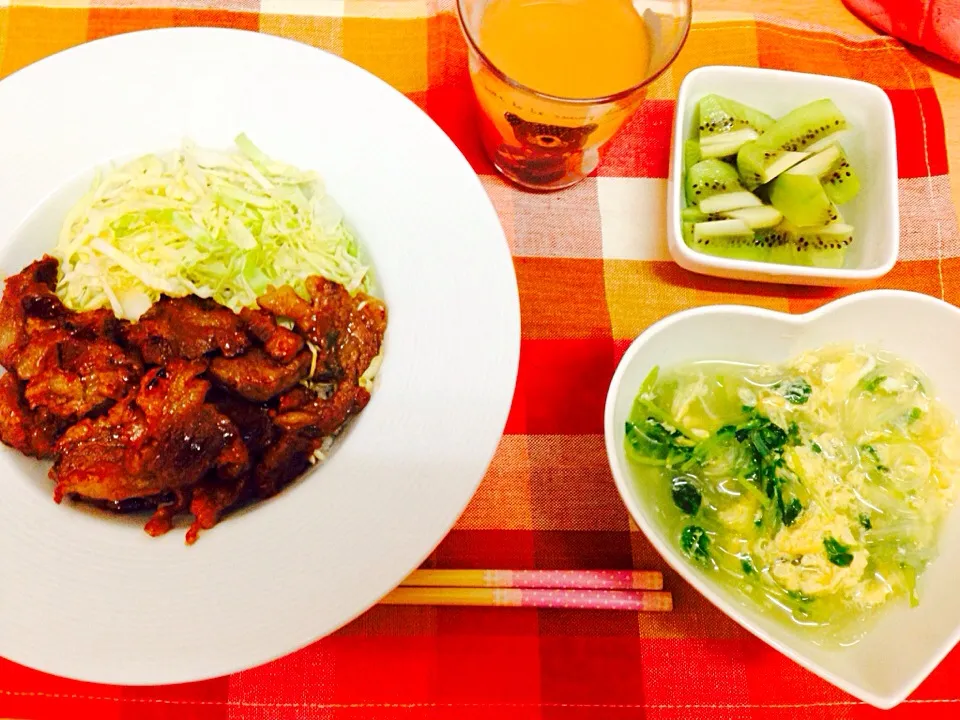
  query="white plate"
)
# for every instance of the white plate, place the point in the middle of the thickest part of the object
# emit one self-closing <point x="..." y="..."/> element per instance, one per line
<point x="905" y="645"/>
<point x="870" y="143"/>
<point x="93" y="597"/>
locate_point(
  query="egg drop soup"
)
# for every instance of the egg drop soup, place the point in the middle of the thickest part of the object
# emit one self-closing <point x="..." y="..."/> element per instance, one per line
<point x="816" y="488"/>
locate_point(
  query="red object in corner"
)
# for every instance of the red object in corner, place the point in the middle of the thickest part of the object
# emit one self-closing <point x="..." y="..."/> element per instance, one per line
<point x="931" y="24"/>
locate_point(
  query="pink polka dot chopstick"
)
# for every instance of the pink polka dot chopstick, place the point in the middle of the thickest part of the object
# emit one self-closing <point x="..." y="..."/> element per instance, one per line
<point x="570" y="579"/>
<point x="576" y="589"/>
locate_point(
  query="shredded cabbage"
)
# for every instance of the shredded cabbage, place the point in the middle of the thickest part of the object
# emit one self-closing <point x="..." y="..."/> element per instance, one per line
<point x="224" y="225"/>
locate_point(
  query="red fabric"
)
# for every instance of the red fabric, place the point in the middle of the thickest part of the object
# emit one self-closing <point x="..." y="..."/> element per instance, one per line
<point x="592" y="273"/>
<point x="931" y="24"/>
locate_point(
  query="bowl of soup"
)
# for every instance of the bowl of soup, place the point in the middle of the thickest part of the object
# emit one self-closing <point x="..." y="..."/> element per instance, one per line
<point x="801" y="471"/>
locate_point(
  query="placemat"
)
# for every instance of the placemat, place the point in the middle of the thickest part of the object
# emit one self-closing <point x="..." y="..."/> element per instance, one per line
<point x="593" y="272"/>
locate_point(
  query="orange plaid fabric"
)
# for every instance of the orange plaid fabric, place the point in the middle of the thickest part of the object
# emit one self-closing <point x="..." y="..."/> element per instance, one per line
<point x="593" y="272"/>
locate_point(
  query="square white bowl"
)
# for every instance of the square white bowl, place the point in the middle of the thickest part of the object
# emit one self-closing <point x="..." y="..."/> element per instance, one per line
<point x="870" y="143"/>
<point x="904" y="645"/>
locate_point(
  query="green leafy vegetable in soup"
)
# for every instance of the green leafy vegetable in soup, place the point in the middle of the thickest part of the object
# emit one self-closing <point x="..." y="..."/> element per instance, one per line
<point x="837" y="552"/>
<point x="797" y="391"/>
<point x="686" y="496"/>
<point x="816" y="487"/>
<point x="695" y="542"/>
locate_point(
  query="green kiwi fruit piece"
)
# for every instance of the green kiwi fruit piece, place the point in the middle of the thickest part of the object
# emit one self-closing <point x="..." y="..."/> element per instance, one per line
<point x="727" y="145"/>
<point x="723" y="202"/>
<point x="824" y="247"/>
<point x="764" y="216"/>
<point x="725" y="125"/>
<point x="802" y="200"/>
<point x="719" y="115"/>
<point x="724" y="238"/>
<point x="710" y="177"/>
<point x="832" y="167"/>
<point x="785" y="244"/>
<point x="782" y="145"/>
<point x="691" y="154"/>
<point x="694" y="215"/>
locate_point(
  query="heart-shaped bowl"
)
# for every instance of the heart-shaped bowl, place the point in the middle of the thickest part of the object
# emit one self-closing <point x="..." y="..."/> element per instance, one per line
<point x="904" y="645"/>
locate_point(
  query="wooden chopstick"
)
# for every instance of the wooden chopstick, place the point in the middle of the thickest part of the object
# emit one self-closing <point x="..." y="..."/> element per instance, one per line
<point x="635" y="600"/>
<point x="559" y="579"/>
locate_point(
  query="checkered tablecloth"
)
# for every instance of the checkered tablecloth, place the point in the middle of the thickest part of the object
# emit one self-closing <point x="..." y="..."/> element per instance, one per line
<point x="593" y="272"/>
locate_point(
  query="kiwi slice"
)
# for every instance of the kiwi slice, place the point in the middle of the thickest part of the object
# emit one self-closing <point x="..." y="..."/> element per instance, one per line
<point x="725" y="125"/>
<point x="720" y="228"/>
<point x="710" y="177"/>
<point x="782" y="145"/>
<point x="722" y="202"/>
<point x="818" y="164"/>
<point x="831" y="166"/>
<point x="756" y="218"/>
<point x="691" y="154"/>
<point x="729" y="144"/>
<point x="725" y="238"/>
<point x="802" y="200"/>
<point x="784" y="244"/>
<point x="719" y="115"/>
<point x="694" y="215"/>
<point x="752" y="178"/>
<point x="824" y="247"/>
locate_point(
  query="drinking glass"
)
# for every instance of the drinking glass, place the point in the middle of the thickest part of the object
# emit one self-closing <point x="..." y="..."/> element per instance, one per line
<point x="547" y="142"/>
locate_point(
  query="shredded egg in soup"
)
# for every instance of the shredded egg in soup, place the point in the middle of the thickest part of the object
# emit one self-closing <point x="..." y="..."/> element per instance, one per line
<point x="817" y="487"/>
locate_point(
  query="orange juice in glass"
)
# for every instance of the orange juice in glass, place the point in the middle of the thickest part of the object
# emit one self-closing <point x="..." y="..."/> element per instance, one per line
<point x="555" y="79"/>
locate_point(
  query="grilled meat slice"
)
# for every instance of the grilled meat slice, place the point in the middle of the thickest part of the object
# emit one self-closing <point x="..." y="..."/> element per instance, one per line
<point x="304" y="419"/>
<point x="186" y="327"/>
<point x="280" y="343"/>
<point x="326" y="416"/>
<point x="216" y="495"/>
<point x="28" y="294"/>
<point x="71" y="361"/>
<point x="165" y="437"/>
<point x="29" y="305"/>
<point x="284" y="460"/>
<point x="252" y="419"/>
<point x="75" y="378"/>
<point x="256" y="376"/>
<point x="32" y="432"/>
<point x="346" y="331"/>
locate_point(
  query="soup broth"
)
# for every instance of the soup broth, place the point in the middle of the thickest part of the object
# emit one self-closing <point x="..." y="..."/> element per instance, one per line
<point x="817" y="488"/>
